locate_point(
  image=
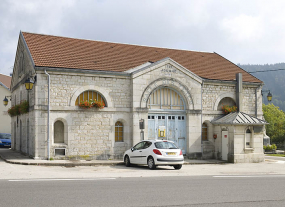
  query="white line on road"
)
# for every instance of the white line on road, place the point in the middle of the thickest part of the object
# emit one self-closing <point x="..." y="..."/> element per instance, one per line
<point x="246" y="176"/>
<point x="61" y="179"/>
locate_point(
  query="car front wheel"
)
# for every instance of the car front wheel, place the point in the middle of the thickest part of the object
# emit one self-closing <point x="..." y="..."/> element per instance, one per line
<point x="127" y="161"/>
<point x="150" y="163"/>
<point x="177" y="167"/>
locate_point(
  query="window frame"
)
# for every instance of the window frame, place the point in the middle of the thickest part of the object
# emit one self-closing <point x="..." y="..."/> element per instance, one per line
<point x="63" y="138"/>
<point x="166" y="98"/>
<point x="118" y="129"/>
<point x="248" y="132"/>
<point x="92" y="92"/>
<point x="204" y="132"/>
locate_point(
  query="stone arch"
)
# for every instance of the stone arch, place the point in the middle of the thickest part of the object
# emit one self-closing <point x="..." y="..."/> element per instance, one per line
<point x="248" y="134"/>
<point x="119" y="128"/>
<point x="222" y="96"/>
<point x="171" y="83"/>
<point x="209" y="128"/>
<point x="101" y="90"/>
<point x="65" y="127"/>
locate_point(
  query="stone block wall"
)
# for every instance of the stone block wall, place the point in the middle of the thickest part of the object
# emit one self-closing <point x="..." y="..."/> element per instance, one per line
<point x="213" y="93"/>
<point x="90" y="132"/>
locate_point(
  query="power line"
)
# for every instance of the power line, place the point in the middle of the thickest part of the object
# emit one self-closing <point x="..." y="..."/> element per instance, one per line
<point x="263" y="71"/>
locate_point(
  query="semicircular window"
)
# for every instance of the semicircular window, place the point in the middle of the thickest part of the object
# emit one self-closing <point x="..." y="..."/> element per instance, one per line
<point x="87" y="95"/>
<point x="165" y="98"/>
<point x="227" y="101"/>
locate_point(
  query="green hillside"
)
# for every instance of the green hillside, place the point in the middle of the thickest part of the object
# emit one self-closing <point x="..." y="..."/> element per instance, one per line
<point x="273" y="81"/>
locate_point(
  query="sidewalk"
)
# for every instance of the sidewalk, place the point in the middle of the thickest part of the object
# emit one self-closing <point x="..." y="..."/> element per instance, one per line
<point x="13" y="157"/>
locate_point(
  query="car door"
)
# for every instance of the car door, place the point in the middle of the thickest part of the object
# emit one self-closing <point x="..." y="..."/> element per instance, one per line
<point x="145" y="152"/>
<point x="135" y="155"/>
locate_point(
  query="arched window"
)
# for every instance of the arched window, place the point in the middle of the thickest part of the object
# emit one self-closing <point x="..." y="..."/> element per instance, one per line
<point x="165" y="98"/>
<point x="119" y="129"/>
<point x="58" y="132"/>
<point x="87" y="95"/>
<point x="204" y="132"/>
<point x="227" y="101"/>
<point x="248" y="138"/>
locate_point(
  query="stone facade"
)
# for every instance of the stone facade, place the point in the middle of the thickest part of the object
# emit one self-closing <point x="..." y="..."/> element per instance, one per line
<point x="90" y="133"/>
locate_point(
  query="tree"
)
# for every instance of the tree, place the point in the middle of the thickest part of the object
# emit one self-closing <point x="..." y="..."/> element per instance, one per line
<point x="276" y="127"/>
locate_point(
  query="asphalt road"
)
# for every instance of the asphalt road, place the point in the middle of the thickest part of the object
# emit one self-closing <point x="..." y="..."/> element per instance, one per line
<point x="223" y="185"/>
<point x="222" y="191"/>
<point x="275" y="158"/>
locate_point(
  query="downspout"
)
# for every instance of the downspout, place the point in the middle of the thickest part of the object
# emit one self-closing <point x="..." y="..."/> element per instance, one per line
<point x="202" y="116"/>
<point x="48" y="142"/>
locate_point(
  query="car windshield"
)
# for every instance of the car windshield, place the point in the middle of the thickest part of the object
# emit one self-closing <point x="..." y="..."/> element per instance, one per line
<point x="165" y="145"/>
<point x="5" y="136"/>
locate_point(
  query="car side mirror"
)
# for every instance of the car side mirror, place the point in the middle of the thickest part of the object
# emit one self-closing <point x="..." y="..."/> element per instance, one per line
<point x="133" y="149"/>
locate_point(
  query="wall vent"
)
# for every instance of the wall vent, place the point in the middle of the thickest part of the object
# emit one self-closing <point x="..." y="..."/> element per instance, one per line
<point x="59" y="152"/>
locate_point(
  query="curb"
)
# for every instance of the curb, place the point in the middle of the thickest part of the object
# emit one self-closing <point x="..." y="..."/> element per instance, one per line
<point x="61" y="164"/>
<point x="90" y="164"/>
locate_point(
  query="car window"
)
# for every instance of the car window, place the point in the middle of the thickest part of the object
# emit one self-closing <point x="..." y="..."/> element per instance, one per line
<point x="147" y="145"/>
<point x="165" y="145"/>
<point x="139" y="146"/>
<point x="5" y="136"/>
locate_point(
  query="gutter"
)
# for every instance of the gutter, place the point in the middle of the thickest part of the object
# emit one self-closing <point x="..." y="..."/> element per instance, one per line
<point x="86" y="71"/>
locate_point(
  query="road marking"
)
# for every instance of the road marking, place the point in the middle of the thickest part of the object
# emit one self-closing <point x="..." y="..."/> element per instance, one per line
<point x="61" y="179"/>
<point x="246" y="176"/>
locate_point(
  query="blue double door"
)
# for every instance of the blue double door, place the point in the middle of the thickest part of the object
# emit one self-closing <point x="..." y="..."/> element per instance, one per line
<point x="168" y="127"/>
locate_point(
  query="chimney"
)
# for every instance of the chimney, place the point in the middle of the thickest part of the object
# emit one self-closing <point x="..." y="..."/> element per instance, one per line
<point x="239" y="92"/>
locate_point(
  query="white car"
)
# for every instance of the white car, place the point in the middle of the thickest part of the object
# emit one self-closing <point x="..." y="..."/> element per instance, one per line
<point x="153" y="153"/>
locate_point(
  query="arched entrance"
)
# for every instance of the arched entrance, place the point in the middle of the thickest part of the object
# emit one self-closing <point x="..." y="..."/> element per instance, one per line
<point x="167" y="116"/>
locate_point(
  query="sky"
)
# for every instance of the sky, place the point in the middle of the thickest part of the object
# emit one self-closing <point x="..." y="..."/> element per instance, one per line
<point x="243" y="31"/>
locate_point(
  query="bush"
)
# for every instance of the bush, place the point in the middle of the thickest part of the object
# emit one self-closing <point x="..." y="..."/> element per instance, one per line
<point x="24" y="107"/>
<point x="269" y="148"/>
<point x="92" y="103"/>
<point x="19" y="109"/>
<point x="229" y="109"/>
<point x="274" y="147"/>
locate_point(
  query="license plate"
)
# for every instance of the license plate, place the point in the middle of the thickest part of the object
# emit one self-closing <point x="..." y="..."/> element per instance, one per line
<point x="171" y="153"/>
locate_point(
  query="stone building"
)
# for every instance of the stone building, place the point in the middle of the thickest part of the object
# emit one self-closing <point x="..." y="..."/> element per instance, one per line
<point x="5" y="94"/>
<point x="175" y="94"/>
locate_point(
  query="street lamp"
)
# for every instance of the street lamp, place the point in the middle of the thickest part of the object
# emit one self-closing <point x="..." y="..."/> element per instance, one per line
<point x="269" y="95"/>
<point x="5" y="100"/>
<point x="29" y="83"/>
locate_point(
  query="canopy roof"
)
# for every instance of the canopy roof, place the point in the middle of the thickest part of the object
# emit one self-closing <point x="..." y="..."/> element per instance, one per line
<point x="238" y="118"/>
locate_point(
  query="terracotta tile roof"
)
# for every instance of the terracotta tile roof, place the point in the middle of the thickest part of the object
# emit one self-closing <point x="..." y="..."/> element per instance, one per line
<point x="63" y="52"/>
<point x="5" y="80"/>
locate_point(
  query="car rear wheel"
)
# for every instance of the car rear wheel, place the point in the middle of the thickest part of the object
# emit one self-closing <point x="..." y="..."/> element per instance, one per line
<point x="127" y="161"/>
<point x="150" y="163"/>
<point x="177" y="167"/>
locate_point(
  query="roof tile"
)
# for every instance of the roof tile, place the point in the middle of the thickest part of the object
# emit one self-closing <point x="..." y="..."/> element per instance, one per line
<point x="64" y="52"/>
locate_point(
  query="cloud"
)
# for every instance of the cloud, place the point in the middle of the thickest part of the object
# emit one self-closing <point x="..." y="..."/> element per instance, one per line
<point x="243" y="28"/>
<point x="240" y="30"/>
